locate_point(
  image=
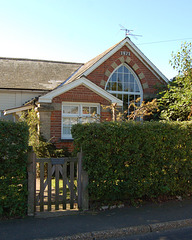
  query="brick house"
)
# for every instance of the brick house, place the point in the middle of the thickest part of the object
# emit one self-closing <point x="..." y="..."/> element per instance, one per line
<point x="119" y="75"/>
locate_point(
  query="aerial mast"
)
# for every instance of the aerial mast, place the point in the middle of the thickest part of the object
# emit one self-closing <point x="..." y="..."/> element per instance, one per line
<point x="128" y="32"/>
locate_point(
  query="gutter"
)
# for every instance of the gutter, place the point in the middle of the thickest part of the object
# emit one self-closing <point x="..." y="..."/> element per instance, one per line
<point x="18" y="109"/>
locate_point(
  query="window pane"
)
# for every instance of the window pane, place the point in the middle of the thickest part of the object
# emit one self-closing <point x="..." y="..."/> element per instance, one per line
<point x="113" y="78"/>
<point x="132" y="79"/>
<point x="93" y="110"/>
<point x="126" y="77"/>
<point x="66" y="130"/>
<point x="126" y="70"/>
<point x="89" y="110"/>
<point x="74" y="109"/>
<point x="86" y="110"/>
<point x="120" y="87"/>
<point x="125" y="108"/>
<point x="131" y="87"/>
<point x="66" y="109"/>
<point x="67" y="124"/>
<point x="126" y="89"/>
<point x="70" y="109"/>
<point x="136" y="88"/>
<point x="120" y="70"/>
<point x="114" y="86"/>
<point x="125" y="98"/>
<point x="120" y="78"/>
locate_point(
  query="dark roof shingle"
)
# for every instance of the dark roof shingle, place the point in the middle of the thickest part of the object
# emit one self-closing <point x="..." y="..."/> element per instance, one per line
<point x="34" y="74"/>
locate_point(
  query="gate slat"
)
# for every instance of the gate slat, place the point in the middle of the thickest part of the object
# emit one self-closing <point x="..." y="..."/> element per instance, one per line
<point x="64" y="185"/>
<point x="57" y="187"/>
<point x="41" y="186"/>
<point x="72" y="185"/>
<point x="49" y="185"/>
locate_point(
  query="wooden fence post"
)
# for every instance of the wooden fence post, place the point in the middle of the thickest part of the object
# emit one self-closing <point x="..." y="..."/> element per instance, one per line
<point x="83" y="195"/>
<point x="31" y="169"/>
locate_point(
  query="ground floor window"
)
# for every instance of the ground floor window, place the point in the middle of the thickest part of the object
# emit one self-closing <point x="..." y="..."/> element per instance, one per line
<point x="127" y="100"/>
<point x="73" y="113"/>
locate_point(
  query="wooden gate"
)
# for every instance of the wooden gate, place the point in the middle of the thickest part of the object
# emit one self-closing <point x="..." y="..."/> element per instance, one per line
<point x="56" y="184"/>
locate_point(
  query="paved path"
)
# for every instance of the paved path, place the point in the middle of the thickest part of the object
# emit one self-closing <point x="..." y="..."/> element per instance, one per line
<point x="150" y="217"/>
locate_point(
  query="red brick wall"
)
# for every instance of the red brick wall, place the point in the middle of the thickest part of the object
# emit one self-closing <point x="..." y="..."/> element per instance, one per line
<point x="78" y="94"/>
<point x="148" y="79"/>
<point x="100" y="76"/>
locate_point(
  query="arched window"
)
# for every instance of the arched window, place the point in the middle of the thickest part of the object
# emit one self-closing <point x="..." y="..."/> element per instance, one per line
<point x="125" y="85"/>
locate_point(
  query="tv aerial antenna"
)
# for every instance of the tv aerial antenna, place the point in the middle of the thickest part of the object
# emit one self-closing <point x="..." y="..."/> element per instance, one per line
<point x="128" y="32"/>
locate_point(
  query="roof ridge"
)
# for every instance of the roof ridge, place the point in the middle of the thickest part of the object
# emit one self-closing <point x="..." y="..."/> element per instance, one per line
<point x="37" y="60"/>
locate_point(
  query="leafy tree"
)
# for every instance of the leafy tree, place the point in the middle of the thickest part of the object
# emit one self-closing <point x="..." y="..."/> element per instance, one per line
<point x="176" y="101"/>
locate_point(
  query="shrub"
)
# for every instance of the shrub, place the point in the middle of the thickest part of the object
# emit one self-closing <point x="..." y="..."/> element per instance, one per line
<point x="13" y="168"/>
<point x="41" y="146"/>
<point x="133" y="160"/>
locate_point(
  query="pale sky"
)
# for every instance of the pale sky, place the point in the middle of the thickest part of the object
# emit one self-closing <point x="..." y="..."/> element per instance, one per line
<point x="77" y="31"/>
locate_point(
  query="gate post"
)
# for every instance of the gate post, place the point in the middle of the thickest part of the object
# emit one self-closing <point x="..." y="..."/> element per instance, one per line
<point x="31" y="169"/>
<point x="83" y="195"/>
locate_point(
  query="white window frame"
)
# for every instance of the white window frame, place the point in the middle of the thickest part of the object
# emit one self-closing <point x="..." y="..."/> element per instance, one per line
<point x="79" y="115"/>
<point x="140" y="93"/>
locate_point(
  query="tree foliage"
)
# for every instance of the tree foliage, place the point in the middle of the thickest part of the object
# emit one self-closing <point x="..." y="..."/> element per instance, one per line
<point x="176" y="101"/>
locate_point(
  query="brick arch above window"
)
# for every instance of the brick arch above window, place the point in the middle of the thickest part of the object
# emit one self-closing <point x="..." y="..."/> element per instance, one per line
<point x="117" y="63"/>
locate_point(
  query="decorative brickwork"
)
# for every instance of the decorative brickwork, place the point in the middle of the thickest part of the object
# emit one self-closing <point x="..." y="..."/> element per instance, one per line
<point x="100" y="76"/>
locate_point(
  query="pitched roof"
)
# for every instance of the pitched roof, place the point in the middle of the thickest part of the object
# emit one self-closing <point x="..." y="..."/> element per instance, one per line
<point x="48" y="75"/>
<point x="80" y="72"/>
<point x="34" y="74"/>
<point x="88" y="67"/>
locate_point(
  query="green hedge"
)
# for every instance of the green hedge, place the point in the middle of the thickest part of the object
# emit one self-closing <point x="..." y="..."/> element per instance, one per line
<point x="13" y="168"/>
<point x="128" y="161"/>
